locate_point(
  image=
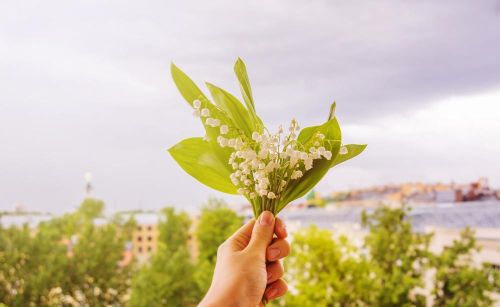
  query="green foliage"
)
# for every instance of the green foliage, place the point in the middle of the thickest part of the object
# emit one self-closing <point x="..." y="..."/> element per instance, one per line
<point x="174" y="229"/>
<point x="298" y="188"/>
<point x="29" y="265"/>
<point x="72" y="261"/>
<point x="205" y="160"/>
<point x="194" y="154"/>
<point x="168" y="279"/>
<point x="67" y="260"/>
<point x="459" y="282"/>
<point x="326" y="271"/>
<point x="90" y="208"/>
<point x="185" y="85"/>
<point x="236" y="112"/>
<point x="95" y="264"/>
<point x="217" y="222"/>
<point x="246" y="91"/>
<point x="398" y="256"/>
<point x="352" y="151"/>
<point x="387" y="270"/>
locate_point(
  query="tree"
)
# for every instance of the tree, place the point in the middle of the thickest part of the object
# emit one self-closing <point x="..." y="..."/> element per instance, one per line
<point x="458" y="281"/>
<point x="25" y="273"/>
<point x="67" y="260"/>
<point x="168" y="279"/>
<point x="388" y="270"/>
<point x="398" y="256"/>
<point x="217" y="222"/>
<point x="327" y="271"/>
<point x="73" y="261"/>
<point x="91" y="208"/>
<point x="174" y="229"/>
<point x="93" y="270"/>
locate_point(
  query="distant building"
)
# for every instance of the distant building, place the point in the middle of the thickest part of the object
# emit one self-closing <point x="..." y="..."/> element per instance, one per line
<point x="32" y="220"/>
<point x="417" y="192"/>
<point x="446" y="196"/>
<point x="145" y="235"/>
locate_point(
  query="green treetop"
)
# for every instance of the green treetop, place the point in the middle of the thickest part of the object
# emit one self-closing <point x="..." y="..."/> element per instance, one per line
<point x="217" y="222"/>
<point x="167" y="280"/>
<point x="387" y="270"/>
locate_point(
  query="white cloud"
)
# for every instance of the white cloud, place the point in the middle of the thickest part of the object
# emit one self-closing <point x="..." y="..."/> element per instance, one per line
<point x="451" y="139"/>
<point x="84" y="85"/>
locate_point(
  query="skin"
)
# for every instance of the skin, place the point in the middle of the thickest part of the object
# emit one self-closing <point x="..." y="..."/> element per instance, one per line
<point x="248" y="265"/>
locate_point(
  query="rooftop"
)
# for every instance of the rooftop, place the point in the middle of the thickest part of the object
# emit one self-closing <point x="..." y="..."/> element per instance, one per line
<point x="444" y="215"/>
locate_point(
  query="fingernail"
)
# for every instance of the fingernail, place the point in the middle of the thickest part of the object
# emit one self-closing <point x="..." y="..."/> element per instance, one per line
<point x="271" y="293"/>
<point x="266" y="218"/>
<point x="273" y="253"/>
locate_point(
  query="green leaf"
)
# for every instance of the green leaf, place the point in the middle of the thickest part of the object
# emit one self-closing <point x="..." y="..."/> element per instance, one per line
<point x="185" y="85"/>
<point x="190" y="92"/>
<point x="332" y="110"/>
<point x="352" y="151"/>
<point x="213" y="132"/>
<point x="246" y="90"/>
<point x="233" y="108"/>
<point x="306" y="134"/>
<point x="198" y="158"/>
<point x="331" y="130"/>
<point x="300" y="187"/>
<point x="222" y="153"/>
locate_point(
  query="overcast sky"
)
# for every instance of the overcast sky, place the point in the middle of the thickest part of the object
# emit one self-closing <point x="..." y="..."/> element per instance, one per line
<point x="85" y="86"/>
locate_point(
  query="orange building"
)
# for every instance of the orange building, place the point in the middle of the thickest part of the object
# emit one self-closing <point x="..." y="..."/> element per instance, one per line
<point x="144" y="240"/>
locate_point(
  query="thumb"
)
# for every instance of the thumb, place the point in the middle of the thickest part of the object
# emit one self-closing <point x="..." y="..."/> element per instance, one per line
<point x="240" y="239"/>
<point x="262" y="232"/>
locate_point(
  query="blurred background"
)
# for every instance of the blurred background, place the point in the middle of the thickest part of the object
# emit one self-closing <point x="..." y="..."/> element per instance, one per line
<point x="88" y="110"/>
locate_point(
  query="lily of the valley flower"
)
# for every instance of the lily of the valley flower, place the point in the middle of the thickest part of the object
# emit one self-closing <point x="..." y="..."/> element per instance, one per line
<point x="238" y="154"/>
<point x="262" y="167"/>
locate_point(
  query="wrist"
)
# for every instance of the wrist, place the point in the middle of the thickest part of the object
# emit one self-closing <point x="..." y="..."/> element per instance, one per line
<point x="219" y="298"/>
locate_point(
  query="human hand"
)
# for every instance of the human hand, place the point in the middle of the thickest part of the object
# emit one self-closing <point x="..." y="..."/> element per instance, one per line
<point x="242" y="276"/>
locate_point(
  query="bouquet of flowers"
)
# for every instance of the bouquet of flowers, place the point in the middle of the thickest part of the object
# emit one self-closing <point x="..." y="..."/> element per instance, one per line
<point x="239" y="155"/>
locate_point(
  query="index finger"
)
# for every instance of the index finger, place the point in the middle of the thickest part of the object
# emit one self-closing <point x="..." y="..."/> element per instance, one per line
<point x="280" y="229"/>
